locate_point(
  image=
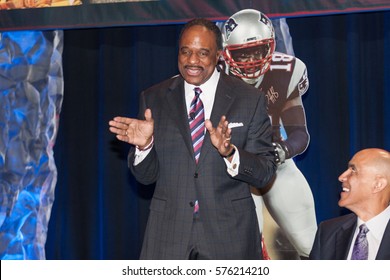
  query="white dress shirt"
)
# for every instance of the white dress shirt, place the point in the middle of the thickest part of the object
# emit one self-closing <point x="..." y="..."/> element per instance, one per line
<point x="207" y="96"/>
<point x="377" y="227"/>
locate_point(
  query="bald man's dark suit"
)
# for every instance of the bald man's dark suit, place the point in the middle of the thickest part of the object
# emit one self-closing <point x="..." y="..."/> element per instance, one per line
<point x="227" y="217"/>
<point x="334" y="238"/>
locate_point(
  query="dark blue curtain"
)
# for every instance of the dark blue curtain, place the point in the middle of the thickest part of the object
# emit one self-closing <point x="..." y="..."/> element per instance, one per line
<point x="100" y="211"/>
<point x="348" y="62"/>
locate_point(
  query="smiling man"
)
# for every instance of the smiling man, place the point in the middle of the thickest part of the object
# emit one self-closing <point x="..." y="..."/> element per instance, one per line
<point x="365" y="233"/>
<point x="202" y="206"/>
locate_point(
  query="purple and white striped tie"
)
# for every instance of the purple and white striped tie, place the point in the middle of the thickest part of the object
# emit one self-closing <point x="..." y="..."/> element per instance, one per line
<point x="196" y="121"/>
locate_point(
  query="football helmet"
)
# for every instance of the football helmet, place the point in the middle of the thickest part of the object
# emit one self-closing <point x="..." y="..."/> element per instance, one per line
<point x="249" y="42"/>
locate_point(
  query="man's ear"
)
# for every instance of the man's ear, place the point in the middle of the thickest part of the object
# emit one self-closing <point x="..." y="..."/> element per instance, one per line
<point x="380" y="183"/>
<point x="219" y="55"/>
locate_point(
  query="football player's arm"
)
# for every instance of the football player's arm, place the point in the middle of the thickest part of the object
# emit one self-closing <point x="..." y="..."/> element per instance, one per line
<point x="293" y="116"/>
<point x="294" y="123"/>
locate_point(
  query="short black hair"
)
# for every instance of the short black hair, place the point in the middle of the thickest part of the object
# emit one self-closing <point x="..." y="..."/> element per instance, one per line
<point x="209" y="25"/>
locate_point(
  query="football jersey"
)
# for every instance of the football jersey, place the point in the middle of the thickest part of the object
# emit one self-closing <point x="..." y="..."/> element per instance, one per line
<point x="285" y="80"/>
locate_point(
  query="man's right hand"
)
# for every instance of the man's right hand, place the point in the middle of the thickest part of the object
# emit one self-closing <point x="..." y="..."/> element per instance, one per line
<point x="134" y="131"/>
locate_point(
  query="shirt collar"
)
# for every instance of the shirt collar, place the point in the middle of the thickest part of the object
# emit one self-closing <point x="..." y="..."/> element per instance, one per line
<point x="207" y="96"/>
<point x="377" y="225"/>
<point x="209" y="86"/>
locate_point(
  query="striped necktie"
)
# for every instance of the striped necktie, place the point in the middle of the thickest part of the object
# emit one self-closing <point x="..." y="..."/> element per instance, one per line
<point x="196" y="121"/>
<point x="360" y="248"/>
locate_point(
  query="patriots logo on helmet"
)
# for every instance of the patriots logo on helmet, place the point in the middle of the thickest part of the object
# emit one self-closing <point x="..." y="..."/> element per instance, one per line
<point x="230" y="26"/>
<point x="264" y="19"/>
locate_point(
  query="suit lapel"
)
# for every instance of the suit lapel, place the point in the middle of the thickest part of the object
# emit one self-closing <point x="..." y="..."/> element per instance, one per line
<point x="224" y="98"/>
<point x="178" y="111"/>
<point x="344" y="239"/>
<point x="384" y="248"/>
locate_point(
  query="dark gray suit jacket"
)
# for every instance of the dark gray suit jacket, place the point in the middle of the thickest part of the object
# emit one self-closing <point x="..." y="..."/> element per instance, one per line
<point x="334" y="238"/>
<point x="227" y="212"/>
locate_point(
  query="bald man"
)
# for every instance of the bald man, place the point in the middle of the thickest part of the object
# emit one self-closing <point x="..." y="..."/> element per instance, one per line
<point x="366" y="192"/>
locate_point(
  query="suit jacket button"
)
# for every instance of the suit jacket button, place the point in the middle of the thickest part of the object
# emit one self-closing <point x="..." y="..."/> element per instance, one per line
<point x="196" y="175"/>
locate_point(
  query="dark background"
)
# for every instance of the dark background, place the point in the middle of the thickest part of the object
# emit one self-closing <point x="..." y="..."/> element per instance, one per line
<point x="100" y="211"/>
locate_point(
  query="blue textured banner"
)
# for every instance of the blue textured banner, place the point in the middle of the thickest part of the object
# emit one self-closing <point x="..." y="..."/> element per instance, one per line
<point x="31" y="93"/>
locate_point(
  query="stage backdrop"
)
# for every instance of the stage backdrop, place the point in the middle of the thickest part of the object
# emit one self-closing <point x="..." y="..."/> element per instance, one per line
<point x="100" y="211"/>
<point x="49" y="14"/>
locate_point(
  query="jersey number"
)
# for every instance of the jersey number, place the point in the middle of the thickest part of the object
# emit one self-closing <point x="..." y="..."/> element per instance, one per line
<point x="284" y="60"/>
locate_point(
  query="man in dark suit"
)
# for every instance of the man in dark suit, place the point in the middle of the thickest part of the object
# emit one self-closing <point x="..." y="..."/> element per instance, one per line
<point x="366" y="192"/>
<point x="202" y="206"/>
